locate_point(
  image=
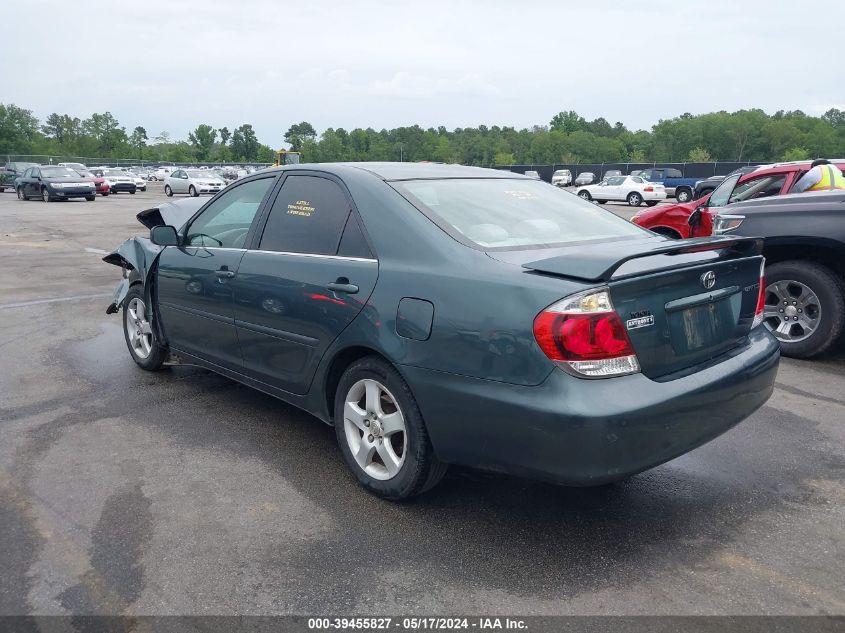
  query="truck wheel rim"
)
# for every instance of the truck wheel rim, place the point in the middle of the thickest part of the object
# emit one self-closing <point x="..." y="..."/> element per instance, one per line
<point x="792" y="311"/>
<point x="375" y="429"/>
<point x="138" y="328"/>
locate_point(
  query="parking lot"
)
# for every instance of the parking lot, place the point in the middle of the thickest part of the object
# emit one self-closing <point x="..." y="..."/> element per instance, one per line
<point x="182" y="492"/>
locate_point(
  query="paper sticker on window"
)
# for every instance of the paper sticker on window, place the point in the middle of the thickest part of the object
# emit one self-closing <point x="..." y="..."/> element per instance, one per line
<point x="301" y="207"/>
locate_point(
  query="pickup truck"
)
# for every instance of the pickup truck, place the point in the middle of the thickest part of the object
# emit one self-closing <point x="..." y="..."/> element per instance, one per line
<point x="673" y="180"/>
<point x="804" y="245"/>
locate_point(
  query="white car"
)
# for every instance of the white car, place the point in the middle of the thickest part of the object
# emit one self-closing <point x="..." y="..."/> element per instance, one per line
<point x="193" y="182"/>
<point x="562" y="178"/>
<point x="632" y="189"/>
<point x="532" y="173"/>
<point x="162" y="172"/>
<point x="140" y="183"/>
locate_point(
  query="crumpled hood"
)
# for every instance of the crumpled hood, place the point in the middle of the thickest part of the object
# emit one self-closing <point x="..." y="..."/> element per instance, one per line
<point x="174" y="213"/>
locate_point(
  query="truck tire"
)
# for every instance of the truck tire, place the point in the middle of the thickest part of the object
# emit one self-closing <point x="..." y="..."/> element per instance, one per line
<point x="805" y="307"/>
<point x="683" y="194"/>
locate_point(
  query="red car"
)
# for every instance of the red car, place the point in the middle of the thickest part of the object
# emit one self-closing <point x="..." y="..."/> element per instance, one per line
<point x="99" y="182"/>
<point x="673" y="220"/>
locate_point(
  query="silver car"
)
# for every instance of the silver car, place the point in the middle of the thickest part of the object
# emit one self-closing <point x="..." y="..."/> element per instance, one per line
<point x="562" y="178"/>
<point x="193" y="182"/>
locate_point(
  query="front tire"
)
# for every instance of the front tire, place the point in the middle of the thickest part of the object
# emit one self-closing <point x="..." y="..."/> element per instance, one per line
<point x="132" y="191"/>
<point x="585" y="195"/>
<point x="805" y="307"/>
<point x="634" y="199"/>
<point x="651" y="203"/>
<point x="138" y="332"/>
<point x="168" y="191"/>
<point x="21" y="194"/>
<point x="90" y="198"/>
<point x="683" y="195"/>
<point x="381" y="432"/>
<point x="45" y="195"/>
<point x="193" y="191"/>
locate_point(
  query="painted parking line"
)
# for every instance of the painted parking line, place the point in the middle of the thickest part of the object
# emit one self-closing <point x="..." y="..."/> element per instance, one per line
<point x="35" y="302"/>
<point x="98" y="251"/>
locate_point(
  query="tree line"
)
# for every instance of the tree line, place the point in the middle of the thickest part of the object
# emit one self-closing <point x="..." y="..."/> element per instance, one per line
<point x="745" y="135"/>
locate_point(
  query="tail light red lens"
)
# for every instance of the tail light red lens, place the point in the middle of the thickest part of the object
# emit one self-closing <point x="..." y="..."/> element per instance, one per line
<point x="584" y="335"/>
<point x="761" y="298"/>
<point x="649" y="188"/>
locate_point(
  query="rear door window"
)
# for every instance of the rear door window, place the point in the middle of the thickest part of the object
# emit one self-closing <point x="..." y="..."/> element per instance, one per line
<point x="308" y="216"/>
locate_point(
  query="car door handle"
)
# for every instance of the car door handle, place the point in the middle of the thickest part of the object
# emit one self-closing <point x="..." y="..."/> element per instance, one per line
<point x="345" y="287"/>
<point x="224" y="274"/>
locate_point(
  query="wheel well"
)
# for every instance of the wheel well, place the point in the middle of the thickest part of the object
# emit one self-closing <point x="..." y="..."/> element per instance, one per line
<point x="830" y="257"/>
<point x="339" y="365"/>
<point x="665" y="230"/>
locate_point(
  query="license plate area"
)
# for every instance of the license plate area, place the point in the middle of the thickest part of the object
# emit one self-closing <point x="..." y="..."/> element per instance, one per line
<point x="704" y="325"/>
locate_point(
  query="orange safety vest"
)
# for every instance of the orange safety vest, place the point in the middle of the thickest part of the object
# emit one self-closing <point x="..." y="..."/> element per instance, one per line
<point x="831" y="178"/>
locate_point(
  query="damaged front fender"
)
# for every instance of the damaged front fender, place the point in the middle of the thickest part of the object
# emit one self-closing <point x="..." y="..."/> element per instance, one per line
<point x="137" y="257"/>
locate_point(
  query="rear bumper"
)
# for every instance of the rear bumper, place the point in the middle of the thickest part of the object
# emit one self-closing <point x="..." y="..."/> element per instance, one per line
<point x="589" y="432"/>
<point x="654" y="195"/>
<point x="123" y="186"/>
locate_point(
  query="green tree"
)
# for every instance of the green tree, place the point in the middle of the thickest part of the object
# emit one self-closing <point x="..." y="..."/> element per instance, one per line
<point x="18" y="129"/>
<point x="225" y="135"/>
<point x="244" y="145"/>
<point x="298" y="133"/>
<point x="698" y="155"/>
<point x="568" y="122"/>
<point x="202" y="139"/>
<point x="138" y="140"/>
<point x="796" y="153"/>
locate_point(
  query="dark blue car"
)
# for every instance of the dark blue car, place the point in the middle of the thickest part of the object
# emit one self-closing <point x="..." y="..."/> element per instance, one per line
<point x="439" y="314"/>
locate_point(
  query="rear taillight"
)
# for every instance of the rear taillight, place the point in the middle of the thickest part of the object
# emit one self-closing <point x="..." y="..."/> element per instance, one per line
<point x="761" y="298"/>
<point x="649" y="188"/>
<point x="584" y="335"/>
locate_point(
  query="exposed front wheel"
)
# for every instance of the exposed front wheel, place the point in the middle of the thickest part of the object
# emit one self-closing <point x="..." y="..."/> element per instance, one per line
<point x="585" y="195"/>
<point x="805" y="307"/>
<point x="138" y="332"/>
<point x="635" y="199"/>
<point x="683" y="195"/>
<point x="381" y="432"/>
<point x="168" y="191"/>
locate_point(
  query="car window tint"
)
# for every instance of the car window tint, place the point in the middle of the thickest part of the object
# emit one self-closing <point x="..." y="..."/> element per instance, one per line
<point x="226" y="221"/>
<point x="637" y="180"/>
<point x="673" y="173"/>
<point x="722" y="193"/>
<point x="307" y="217"/>
<point x="502" y="213"/>
<point x="615" y="181"/>
<point x="755" y="188"/>
<point x="353" y="243"/>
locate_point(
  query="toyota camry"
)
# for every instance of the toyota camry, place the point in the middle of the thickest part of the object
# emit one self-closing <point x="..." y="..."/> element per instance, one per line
<point x="440" y="314"/>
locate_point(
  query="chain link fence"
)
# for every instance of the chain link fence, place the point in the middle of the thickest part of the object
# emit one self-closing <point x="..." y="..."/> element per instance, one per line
<point x="45" y="159"/>
<point x="689" y="170"/>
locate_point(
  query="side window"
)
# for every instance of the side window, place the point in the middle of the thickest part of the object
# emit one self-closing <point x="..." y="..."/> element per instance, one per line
<point x="657" y="174"/>
<point x="27" y="173"/>
<point x="615" y="181"/>
<point x="36" y="173"/>
<point x="674" y="173"/>
<point x="762" y="187"/>
<point x="353" y="243"/>
<point x="722" y="193"/>
<point x="637" y="180"/>
<point x="226" y="221"/>
<point x="307" y="217"/>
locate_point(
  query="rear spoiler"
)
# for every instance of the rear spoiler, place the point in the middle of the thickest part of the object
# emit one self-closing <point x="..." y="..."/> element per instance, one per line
<point x="598" y="262"/>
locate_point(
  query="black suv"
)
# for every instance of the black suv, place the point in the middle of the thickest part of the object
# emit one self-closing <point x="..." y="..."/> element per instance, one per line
<point x="804" y="245"/>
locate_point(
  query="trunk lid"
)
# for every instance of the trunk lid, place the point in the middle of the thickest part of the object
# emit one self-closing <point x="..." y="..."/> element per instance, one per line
<point x="682" y="302"/>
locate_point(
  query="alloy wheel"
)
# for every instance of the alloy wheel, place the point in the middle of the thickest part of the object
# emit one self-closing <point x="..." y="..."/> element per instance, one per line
<point x="138" y="328"/>
<point x="20" y="194"/>
<point x="792" y="311"/>
<point x="375" y="429"/>
<point x="45" y="195"/>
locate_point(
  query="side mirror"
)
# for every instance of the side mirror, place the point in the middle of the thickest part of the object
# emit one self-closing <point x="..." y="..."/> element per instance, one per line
<point x="695" y="217"/>
<point x="164" y="236"/>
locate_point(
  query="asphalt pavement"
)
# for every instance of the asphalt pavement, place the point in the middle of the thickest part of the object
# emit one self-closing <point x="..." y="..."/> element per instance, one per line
<point x="181" y="492"/>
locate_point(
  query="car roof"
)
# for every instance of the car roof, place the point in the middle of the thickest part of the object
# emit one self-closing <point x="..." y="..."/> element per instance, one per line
<point x="785" y="168"/>
<point x="408" y="171"/>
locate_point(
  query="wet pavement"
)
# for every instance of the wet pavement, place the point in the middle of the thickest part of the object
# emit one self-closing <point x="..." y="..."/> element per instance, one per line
<point x="182" y="492"/>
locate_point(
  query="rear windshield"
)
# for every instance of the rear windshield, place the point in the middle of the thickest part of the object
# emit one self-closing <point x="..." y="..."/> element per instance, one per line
<point x="504" y="213"/>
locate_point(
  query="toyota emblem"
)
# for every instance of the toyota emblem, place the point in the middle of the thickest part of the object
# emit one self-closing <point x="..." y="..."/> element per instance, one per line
<point x="708" y="279"/>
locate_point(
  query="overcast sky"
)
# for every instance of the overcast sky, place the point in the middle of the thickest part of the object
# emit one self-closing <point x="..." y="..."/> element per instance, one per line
<point x="170" y="65"/>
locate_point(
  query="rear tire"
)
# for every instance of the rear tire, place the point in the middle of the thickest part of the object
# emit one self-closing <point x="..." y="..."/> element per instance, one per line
<point x="371" y="393"/>
<point x="138" y="332"/>
<point x="683" y="195"/>
<point x="815" y="295"/>
<point x="634" y="199"/>
<point x="651" y="203"/>
<point x="168" y="191"/>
